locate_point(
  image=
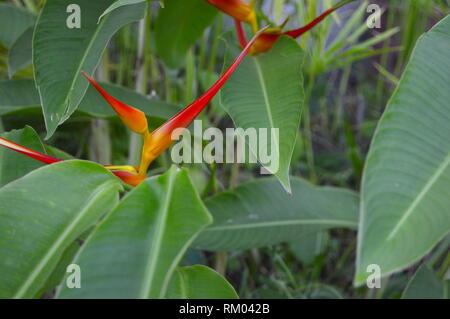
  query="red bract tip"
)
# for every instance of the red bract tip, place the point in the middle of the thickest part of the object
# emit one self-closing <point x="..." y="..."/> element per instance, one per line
<point x="30" y="153"/>
<point x="133" y="118"/>
<point x="266" y="40"/>
<point x="127" y="173"/>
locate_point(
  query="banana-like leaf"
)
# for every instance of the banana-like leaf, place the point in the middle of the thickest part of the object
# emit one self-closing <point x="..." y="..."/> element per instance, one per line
<point x="266" y="92"/>
<point x="199" y="282"/>
<point x="14" y="165"/>
<point x="310" y="246"/>
<point x="42" y="213"/>
<point x="179" y="24"/>
<point x="260" y="213"/>
<point x="20" y="96"/>
<point x="425" y="285"/>
<point x="135" y="251"/>
<point x="19" y="56"/>
<point x="121" y="3"/>
<point x="405" y="200"/>
<point x="60" y="53"/>
<point x="13" y="22"/>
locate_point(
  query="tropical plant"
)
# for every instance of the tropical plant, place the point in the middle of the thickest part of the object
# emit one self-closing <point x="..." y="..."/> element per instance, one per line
<point x="94" y="228"/>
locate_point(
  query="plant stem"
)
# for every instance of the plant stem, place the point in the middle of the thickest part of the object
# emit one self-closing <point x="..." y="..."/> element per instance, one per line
<point x="444" y="267"/>
<point x="221" y="262"/>
<point x="100" y="142"/>
<point x="307" y="131"/>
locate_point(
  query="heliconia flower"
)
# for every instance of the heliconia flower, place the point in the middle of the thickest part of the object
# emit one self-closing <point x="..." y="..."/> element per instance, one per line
<point x="133" y="118"/>
<point x="267" y="39"/>
<point x="161" y="138"/>
<point x="127" y="173"/>
<point x="238" y="9"/>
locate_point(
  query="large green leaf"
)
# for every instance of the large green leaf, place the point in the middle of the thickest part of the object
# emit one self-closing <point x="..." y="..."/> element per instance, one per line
<point x="260" y="213"/>
<point x="405" y="201"/>
<point x="40" y="216"/>
<point x="425" y="285"/>
<point x="20" y="96"/>
<point x="121" y="3"/>
<point x="13" y="22"/>
<point x="179" y="24"/>
<point x="199" y="282"/>
<point x="19" y="56"/>
<point x="267" y="92"/>
<point x="61" y="53"/>
<point x="14" y="165"/>
<point x="134" y="252"/>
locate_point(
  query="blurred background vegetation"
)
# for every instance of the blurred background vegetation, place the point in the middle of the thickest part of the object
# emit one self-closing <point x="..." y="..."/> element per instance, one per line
<point x="350" y="74"/>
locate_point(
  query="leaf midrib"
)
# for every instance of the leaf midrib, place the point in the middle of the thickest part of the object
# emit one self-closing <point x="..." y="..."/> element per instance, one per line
<point x="64" y="235"/>
<point x="156" y="240"/>
<point x="284" y="223"/>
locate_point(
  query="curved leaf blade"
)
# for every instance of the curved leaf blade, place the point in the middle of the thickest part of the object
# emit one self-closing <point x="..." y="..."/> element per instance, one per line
<point x="199" y="282"/>
<point x="266" y="92"/>
<point x="179" y="24"/>
<point x="61" y="53"/>
<point x="19" y="56"/>
<point x="13" y="22"/>
<point x="404" y="201"/>
<point x="14" y="165"/>
<point x="38" y="220"/>
<point x="21" y="96"/>
<point x="135" y="251"/>
<point x="425" y="285"/>
<point x="260" y="213"/>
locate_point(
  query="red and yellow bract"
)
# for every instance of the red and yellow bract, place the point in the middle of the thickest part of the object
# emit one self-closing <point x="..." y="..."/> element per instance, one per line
<point x="238" y="9"/>
<point x="268" y="38"/>
<point x="154" y="143"/>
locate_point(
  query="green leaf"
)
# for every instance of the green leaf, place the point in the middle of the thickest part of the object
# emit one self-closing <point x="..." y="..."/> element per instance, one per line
<point x="199" y="282"/>
<point x="14" y="165"/>
<point x="179" y="24"/>
<point x="19" y="56"/>
<point x="13" y="22"/>
<point x="309" y="246"/>
<point x="61" y="53"/>
<point x="424" y="285"/>
<point x="135" y="251"/>
<point x="266" y="92"/>
<point x="404" y="201"/>
<point x="40" y="216"/>
<point x="20" y="96"/>
<point x="260" y="213"/>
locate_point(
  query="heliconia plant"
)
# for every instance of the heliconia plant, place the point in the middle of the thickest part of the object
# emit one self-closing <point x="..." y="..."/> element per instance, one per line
<point x="155" y="142"/>
<point x="333" y="206"/>
<point x="266" y="39"/>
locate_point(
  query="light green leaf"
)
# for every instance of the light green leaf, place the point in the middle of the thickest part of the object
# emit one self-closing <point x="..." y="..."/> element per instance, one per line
<point x="20" y="96"/>
<point x="13" y="22"/>
<point x="14" y="165"/>
<point x="61" y="53"/>
<point x="135" y="251"/>
<point x="40" y="216"/>
<point x="19" y="56"/>
<point x="199" y="282"/>
<point x="405" y="201"/>
<point x="266" y="92"/>
<point x="424" y="285"/>
<point x="260" y="213"/>
<point x="179" y="24"/>
<point x="121" y="3"/>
